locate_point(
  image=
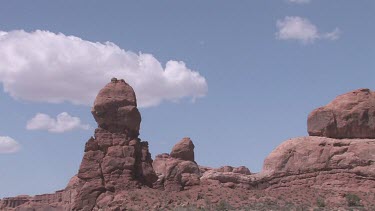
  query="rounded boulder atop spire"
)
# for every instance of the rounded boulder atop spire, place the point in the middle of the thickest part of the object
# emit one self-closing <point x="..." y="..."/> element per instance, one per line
<point x="115" y="108"/>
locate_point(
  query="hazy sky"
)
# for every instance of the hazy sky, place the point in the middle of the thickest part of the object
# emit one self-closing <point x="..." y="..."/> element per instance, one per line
<point x="238" y="77"/>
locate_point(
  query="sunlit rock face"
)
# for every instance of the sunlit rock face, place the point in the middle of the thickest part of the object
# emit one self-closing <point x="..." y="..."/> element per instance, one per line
<point x="321" y="164"/>
<point x="339" y="154"/>
<point x="351" y="115"/>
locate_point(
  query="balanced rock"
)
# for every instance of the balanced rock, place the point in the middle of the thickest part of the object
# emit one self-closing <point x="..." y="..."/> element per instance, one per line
<point x="183" y="150"/>
<point x="115" y="159"/>
<point x="115" y="108"/>
<point x="351" y="115"/>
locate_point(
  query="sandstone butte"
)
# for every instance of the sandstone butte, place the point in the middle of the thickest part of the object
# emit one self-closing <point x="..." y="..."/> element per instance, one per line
<point x="332" y="169"/>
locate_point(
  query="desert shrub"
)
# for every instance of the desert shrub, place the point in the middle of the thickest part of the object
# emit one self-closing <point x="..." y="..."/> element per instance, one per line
<point x="133" y="196"/>
<point x="320" y="202"/>
<point x="353" y="200"/>
<point x="189" y="208"/>
<point x="244" y="197"/>
<point x="223" y="206"/>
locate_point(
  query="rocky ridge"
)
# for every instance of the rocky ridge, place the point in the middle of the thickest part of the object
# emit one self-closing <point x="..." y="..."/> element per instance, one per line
<point x="337" y="160"/>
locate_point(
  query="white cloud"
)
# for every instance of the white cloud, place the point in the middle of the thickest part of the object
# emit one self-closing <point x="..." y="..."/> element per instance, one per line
<point x="8" y="145"/>
<point x="301" y="29"/>
<point x="334" y="35"/>
<point x="299" y="1"/>
<point x="63" y="122"/>
<point x="47" y="67"/>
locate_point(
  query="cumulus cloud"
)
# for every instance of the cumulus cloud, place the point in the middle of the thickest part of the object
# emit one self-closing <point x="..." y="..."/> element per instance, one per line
<point x="299" y="1"/>
<point x="63" y="122"/>
<point x="8" y="145"/>
<point x="47" y="67"/>
<point x="301" y="29"/>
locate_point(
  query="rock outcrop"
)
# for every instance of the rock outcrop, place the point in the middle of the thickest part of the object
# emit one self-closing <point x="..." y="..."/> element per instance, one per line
<point x="177" y="171"/>
<point x="44" y="202"/>
<point x="115" y="109"/>
<point x="12" y="202"/>
<point x="117" y="172"/>
<point x="351" y="115"/>
<point x="115" y="159"/>
<point x="343" y="158"/>
<point x="324" y="163"/>
<point x="183" y="150"/>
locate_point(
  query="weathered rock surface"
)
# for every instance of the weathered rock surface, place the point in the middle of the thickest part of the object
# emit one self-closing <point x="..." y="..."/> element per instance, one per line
<point x="12" y="202"/>
<point x="58" y="201"/>
<point x="115" y="109"/>
<point x="345" y="164"/>
<point x="183" y="150"/>
<point x="351" y="115"/>
<point x="230" y="176"/>
<point x="239" y="170"/>
<point x="178" y="170"/>
<point x="115" y="159"/>
<point x="117" y="172"/>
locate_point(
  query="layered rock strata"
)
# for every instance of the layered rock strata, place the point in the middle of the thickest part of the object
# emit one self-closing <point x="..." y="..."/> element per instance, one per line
<point x="323" y="163"/>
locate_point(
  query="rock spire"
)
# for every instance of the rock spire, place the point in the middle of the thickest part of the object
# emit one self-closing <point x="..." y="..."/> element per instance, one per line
<point x="115" y="159"/>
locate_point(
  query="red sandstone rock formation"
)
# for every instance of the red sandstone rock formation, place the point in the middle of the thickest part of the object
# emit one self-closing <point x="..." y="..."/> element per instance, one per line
<point x="351" y="115"/>
<point x="12" y="202"/>
<point x="117" y="172"/>
<point x="339" y="164"/>
<point x="115" y="109"/>
<point x="177" y="171"/>
<point x="183" y="150"/>
<point x="115" y="158"/>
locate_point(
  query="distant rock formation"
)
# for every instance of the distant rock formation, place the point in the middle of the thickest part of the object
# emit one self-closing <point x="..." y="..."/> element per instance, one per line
<point x="117" y="172"/>
<point x="351" y="115"/>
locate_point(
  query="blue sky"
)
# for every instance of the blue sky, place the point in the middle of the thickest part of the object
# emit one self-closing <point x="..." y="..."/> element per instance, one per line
<point x="243" y="77"/>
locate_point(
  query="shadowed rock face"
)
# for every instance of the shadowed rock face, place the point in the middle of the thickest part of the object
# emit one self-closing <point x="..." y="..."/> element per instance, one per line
<point x="351" y="115"/>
